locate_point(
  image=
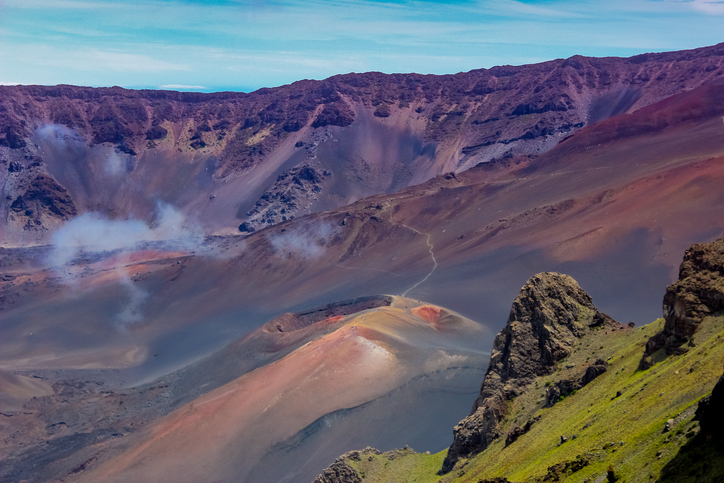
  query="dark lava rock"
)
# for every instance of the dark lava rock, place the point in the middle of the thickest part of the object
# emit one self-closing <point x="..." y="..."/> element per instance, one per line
<point x="297" y="120"/>
<point x="156" y="132"/>
<point x="110" y="131"/>
<point x="338" y="113"/>
<point x="567" y="386"/>
<point x="339" y="472"/>
<point x="246" y="227"/>
<point x="290" y="322"/>
<point x="710" y="415"/>
<point x="517" y="432"/>
<point x="560" y="471"/>
<point x="549" y="315"/>
<point x="598" y="367"/>
<point x="45" y="195"/>
<point x="699" y="292"/>
<point x="291" y="190"/>
<point x="383" y="110"/>
<point x="538" y="107"/>
<point x="13" y="138"/>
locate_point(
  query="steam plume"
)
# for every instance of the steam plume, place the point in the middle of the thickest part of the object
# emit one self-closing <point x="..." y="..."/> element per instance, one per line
<point x="304" y="242"/>
<point x="91" y="233"/>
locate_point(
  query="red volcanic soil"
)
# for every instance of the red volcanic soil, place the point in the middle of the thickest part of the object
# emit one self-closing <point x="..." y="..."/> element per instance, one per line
<point x="427" y="312"/>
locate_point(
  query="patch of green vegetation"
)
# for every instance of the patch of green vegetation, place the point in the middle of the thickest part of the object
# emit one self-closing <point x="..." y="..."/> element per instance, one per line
<point x="626" y="432"/>
<point x="413" y="467"/>
<point x="563" y="396"/>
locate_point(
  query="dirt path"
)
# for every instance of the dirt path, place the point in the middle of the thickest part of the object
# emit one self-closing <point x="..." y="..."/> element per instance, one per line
<point x="432" y="254"/>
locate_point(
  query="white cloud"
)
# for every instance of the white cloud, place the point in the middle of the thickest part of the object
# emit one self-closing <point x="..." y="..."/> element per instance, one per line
<point x="181" y="86"/>
<point x="95" y="59"/>
<point x="712" y="7"/>
<point x="58" y="4"/>
<point x="516" y="8"/>
<point x="123" y="61"/>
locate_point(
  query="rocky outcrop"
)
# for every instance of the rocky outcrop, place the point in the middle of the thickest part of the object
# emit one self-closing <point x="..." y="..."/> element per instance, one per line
<point x="698" y="293"/>
<point x="292" y="191"/>
<point x="337" y="113"/>
<point x="517" y="432"/>
<point x="339" y="472"/>
<point x="290" y="322"/>
<point x="547" y="318"/>
<point x="342" y="472"/>
<point x="710" y="415"/>
<point x="42" y="198"/>
<point x="566" y="386"/>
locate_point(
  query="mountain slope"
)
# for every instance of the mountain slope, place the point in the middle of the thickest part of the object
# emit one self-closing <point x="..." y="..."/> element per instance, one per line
<point x="596" y="211"/>
<point x="313" y="145"/>
<point x="262" y="402"/>
<point x="593" y="415"/>
<point x="145" y="319"/>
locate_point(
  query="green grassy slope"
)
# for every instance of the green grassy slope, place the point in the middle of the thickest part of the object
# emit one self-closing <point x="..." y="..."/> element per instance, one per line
<point x="626" y="432"/>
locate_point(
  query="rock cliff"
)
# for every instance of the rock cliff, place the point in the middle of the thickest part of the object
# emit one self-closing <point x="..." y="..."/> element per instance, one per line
<point x="548" y="316"/>
<point x="698" y="293"/>
<point x="261" y="158"/>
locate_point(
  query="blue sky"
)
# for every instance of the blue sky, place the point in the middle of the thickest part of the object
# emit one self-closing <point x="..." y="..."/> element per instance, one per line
<point x="211" y="45"/>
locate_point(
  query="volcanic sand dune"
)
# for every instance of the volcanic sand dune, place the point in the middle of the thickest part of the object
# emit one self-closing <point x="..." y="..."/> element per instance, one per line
<point x="222" y="434"/>
<point x="14" y="390"/>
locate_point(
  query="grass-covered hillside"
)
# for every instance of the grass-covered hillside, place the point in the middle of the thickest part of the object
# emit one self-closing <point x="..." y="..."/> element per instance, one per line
<point x="626" y="432"/>
<point x="633" y="422"/>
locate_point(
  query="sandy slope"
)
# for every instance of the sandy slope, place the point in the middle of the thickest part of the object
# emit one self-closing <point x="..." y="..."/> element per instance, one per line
<point x="223" y="434"/>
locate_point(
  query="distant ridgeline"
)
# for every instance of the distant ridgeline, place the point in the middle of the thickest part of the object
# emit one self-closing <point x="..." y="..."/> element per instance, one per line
<point x="571" y="395"/>
<point x="308" y="146"/>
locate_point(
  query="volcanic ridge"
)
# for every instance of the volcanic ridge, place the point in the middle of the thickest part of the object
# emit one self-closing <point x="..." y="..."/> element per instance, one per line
<point x="189" y="283"/>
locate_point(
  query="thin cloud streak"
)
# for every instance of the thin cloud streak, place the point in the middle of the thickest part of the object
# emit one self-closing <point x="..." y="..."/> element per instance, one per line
<point x="251" y="44"/>
<point x="181" y="86"/>
<point x="711" y="7"/>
